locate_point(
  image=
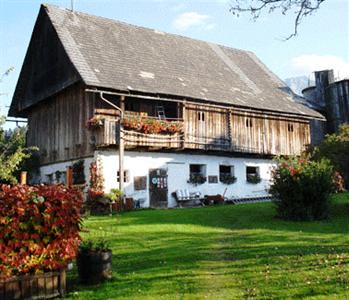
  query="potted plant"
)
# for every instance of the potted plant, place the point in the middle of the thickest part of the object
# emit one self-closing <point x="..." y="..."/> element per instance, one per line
<point x="94" y="261"/>
<point x="114" y="197"/>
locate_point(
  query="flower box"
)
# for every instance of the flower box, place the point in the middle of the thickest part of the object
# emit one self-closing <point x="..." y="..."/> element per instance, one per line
<point x="95" y="122"/>
<point x="197" y="179"/>
<point x="152" y="126"/>
<point x="39" y="286"/>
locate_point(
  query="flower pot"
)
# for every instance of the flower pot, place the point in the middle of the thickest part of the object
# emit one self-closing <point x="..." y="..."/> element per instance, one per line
<point x="39" y="286"/>
<point x="94" y="267"/>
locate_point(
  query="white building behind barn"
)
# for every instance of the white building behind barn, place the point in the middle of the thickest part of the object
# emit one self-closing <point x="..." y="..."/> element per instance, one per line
<point x="181" y="109"/>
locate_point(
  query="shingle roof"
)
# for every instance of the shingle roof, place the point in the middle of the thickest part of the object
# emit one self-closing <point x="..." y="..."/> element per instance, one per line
<point x="116" y="55"/>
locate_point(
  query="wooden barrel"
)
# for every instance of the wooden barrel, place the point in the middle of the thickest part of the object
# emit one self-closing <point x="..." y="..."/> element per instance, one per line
<point x="40" y="286"/>
<point x="94" y="267"/>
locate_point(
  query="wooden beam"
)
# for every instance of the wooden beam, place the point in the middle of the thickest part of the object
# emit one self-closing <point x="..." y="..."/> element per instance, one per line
<point x="121" y="146"/>
<point x="184" y="124"/>
<point x="69" y="176"/>
<point x="23" y="179"/>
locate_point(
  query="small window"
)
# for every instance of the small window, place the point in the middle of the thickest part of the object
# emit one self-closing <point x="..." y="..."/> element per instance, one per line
<point x="248" y="122"/>
<point x="226" y="174"/>
<point x="49" y="178"/>
<point x="126" y="176"/>
<point x="60" y="177"/>
<point x="252" y="174"/>
<point x="197" y="170"/>
<point x="226" y="170"/>
<point x="131" y="106"/>
<point x="201" y="116"/>
<point x="290" y="127"/>
<point x="140" y="183"/>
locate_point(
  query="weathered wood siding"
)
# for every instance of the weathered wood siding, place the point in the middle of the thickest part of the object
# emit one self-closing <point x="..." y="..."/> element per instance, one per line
<point x="229" y="130"/>
<point x="268" y="134"/>
<point x="206" y="128"/>
<point x="58" y="126"/>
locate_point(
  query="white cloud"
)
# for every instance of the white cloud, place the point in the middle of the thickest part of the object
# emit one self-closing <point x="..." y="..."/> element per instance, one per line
<point x="308" y="63"/>
<point x="192" y="19"/>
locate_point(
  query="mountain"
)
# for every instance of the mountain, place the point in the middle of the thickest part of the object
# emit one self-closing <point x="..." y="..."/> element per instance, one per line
<point x="297" y="84"/>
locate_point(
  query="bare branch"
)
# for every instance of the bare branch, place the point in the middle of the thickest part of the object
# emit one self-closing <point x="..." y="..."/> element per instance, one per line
<point x="301" y="8"/>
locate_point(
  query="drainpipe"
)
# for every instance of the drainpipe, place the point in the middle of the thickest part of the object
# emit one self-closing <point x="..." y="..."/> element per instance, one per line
<point x="121" y="138"/>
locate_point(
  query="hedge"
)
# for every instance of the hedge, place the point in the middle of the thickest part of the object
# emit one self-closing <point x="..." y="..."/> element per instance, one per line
<point x="39" y="228"/>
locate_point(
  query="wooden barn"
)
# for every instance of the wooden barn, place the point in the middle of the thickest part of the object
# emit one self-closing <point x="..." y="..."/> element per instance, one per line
<point x="184" y="114"/>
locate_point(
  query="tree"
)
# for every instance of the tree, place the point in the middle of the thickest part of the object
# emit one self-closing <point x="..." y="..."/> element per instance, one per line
<point x="335" y="147"/>
<point x="12" y="148"/>
<point x="301" y="9"/>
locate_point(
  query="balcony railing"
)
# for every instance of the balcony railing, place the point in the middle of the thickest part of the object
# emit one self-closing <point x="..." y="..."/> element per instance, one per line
<point x="165" y="137"/>
<point x="135" y="136"/>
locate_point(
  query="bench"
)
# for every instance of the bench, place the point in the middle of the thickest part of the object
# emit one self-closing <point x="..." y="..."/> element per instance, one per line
<point x="186" y="196"/>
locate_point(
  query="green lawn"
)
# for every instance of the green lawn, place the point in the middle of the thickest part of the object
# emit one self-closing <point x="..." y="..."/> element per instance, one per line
<point x="222" y="252"/>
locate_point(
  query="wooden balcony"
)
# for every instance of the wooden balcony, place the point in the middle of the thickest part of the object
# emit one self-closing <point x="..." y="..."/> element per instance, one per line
<point x="108" y="135"/>
<point x="204" y="130"/>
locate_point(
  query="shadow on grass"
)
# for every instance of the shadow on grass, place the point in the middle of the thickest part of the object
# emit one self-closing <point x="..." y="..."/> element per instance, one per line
<point x="249" y="216"/>
<point x="228" y="252"/>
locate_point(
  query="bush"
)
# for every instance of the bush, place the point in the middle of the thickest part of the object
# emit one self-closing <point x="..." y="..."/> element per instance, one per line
<point x="39" y="228"/>
<point x="302" y="189"/>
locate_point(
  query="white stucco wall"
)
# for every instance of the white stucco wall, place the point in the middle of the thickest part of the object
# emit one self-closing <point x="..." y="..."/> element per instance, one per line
<point x="62" y="167"/>
<point x="177" y="165"/>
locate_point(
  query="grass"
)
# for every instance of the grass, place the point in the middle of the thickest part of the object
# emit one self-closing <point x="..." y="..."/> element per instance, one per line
<point x="222" y="252"/>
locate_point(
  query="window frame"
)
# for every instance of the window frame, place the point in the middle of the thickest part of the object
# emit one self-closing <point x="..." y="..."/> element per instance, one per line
<point x="202" y="171"/>
<point x="126" y="176"/>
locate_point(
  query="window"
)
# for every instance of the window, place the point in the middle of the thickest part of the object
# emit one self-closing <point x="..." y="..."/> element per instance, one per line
<point x="226" y="170"/>
<point x="197" y="170"/>
<point x="126" y="176"/>
<point x="226" y="174"/>
<point x="197" y="174"/>
<point x="201" y="116"/>
<point x="252" y="174"/>
<point x="290" y="127"/>
<point x="49" y="178"/>
<point x="140" y="183"/>
<point x="131" y="106"/>
<point x="248" y="122"/>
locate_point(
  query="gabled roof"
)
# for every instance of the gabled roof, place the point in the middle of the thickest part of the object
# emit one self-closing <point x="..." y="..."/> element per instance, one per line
<point x="116" y="55"/>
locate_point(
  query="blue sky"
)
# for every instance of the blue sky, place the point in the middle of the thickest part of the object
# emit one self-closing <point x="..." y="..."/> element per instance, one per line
<point x="323" y="40"/>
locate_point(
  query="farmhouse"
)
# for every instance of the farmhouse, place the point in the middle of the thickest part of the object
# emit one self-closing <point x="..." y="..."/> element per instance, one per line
<point x="182" y="113"/>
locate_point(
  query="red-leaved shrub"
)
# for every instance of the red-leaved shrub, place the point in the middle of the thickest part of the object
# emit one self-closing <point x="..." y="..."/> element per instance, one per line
<point x="39" y="228"/>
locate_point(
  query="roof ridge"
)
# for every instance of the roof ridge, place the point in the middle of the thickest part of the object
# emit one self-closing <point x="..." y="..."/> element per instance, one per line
<point x="67" y="10"/>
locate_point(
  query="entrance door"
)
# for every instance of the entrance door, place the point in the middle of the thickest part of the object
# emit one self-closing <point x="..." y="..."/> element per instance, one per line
<point x="158" y="187"/>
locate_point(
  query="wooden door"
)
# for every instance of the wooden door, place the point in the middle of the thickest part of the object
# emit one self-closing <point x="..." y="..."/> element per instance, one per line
<point x="158" y="187"/>
<point x="202" y="126"/>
